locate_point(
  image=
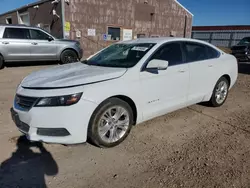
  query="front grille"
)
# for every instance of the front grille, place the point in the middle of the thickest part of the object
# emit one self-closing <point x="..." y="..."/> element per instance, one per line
<point x="25" y="102"/>
<point x="239" y="48"/>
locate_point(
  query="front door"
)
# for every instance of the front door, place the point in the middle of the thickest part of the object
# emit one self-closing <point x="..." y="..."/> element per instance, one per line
<point x="42" y="48"/>
<point x="165" y="90"/>
<point x="15" y="44"/>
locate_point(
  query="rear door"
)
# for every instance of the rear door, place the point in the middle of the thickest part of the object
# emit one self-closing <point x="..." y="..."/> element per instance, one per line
<point x="15" y="44"/>
<point x="202" y="61"/>
<point x="42" y="47"/>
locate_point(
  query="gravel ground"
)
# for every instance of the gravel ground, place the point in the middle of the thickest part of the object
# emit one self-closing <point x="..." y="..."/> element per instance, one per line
<point x="194" y="147"/>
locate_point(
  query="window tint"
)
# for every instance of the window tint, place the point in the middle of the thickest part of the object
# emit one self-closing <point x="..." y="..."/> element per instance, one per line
<point x="212" y="53"/>
<point x="171" y="53"/>
<point x="195" y="52"/>
<point x="16" y="33"/>
<point x="38" y="35"/>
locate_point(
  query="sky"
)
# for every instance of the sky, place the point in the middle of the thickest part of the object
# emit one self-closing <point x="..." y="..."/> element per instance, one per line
<point x="206" y="12"/>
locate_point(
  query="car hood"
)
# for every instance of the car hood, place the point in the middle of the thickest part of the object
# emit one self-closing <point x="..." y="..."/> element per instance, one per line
<point x="70" y="75"/>
<point x="66" y="40"/>
<point x="240" y="47"/>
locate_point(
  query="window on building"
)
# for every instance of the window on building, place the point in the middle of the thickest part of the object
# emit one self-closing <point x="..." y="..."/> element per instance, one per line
<point x="16" y="33"/>
<point x="115" y="33"/>
<point x="141" y="35"/>
<point x="24" y="19"/>
<point x="9" y="20"/>
<point x="38" y="35"/>
<point x="170" y="52"/>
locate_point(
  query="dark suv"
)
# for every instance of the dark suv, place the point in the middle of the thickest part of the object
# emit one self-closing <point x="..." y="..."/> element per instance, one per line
<point x="242" y="50"/>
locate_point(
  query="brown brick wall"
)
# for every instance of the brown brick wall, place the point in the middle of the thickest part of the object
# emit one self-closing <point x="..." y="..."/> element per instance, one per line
<point x="95" y="14"/>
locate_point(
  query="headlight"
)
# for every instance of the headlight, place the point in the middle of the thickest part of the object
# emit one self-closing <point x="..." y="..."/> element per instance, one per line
<point x="65" y="100"/>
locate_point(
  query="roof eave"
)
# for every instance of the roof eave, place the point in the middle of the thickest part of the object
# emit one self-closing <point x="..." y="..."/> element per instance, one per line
<point x="25" y="6"/>
<point x="183" y="7"/>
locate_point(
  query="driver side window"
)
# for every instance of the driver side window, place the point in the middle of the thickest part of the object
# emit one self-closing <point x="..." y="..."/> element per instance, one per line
<point x="170" y="52"/>
<point x="38" y="35"/>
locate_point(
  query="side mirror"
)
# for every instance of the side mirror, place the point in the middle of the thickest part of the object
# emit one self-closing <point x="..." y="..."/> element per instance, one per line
<point x="50" y="38"/>
<point x="157" y="64"/>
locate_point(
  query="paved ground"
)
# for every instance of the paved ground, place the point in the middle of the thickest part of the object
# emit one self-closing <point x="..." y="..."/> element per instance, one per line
<point x="194" y="147"/>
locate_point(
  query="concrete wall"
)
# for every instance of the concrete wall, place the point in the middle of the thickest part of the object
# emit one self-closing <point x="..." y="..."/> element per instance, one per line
<point x="43" y="15"/>
<point x="157" y="17"/>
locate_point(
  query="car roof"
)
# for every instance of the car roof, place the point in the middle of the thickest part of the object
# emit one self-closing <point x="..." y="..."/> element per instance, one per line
<point x="161" y="40"/>
<point x="16" y="26"/>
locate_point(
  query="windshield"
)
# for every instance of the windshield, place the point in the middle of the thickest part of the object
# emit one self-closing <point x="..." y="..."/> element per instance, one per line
<point x="120" y="55"/>
<point x="245" y="40"/>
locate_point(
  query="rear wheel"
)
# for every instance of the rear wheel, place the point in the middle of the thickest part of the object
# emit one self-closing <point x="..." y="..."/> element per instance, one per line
<point x="68" y="56"/>
<point x="111" y="123"/>
<point x="1" y="62"/>
<point x="220" y="92"/>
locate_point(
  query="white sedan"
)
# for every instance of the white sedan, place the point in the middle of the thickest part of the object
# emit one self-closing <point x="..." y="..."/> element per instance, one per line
<point x="127" y="83"/>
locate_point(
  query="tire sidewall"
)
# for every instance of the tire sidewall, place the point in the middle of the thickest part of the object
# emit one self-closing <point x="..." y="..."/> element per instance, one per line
<point x="213" y="99"/>
<point x="1" y="62"/>
<point x="93" y="125"/>
<point x="66" y="52"/>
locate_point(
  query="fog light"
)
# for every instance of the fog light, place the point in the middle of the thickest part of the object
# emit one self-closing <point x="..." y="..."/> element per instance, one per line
<point x="52" y="132"/>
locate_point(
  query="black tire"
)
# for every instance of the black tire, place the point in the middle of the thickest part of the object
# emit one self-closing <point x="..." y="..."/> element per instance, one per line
<point x="68" y="56"/>
<point x="93" y="128"/>
<point x="213" y="102"/>
<point x="1" y="62"/>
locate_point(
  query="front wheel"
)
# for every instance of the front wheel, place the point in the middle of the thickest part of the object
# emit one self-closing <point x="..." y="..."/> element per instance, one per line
<point x="68" y="56"/>
<point x="111" y="123"/>
<point x="220" y="92"/>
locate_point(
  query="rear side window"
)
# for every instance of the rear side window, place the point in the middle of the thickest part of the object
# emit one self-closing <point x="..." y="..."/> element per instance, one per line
<point x="16" y="33"/>
<point x="195" y="52"/>
<point x="38" y="35"/>
<point x="171" y="53"/>
<point x="212" y="53"/>
<point x="199" y="52"/>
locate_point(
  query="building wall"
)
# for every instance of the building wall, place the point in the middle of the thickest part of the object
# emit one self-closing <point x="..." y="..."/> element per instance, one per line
<point x="43" y="16"/>
<point x="158" y="17"/>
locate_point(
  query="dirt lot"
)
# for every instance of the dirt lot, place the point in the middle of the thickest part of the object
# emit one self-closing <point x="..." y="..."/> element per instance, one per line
<point x="194" y="147"/>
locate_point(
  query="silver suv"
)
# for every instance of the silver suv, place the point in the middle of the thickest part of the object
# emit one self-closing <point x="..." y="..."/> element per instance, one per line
<point x="23" y="43"/>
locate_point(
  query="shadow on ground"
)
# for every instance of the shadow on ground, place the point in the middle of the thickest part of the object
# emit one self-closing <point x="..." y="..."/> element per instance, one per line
<point x="26" y="168"/>
<point x="32" y="63"/>
<point x="244" y="67"/>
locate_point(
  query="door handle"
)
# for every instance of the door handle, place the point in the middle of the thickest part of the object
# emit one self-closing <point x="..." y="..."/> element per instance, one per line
<point x="210" y="65"/>
<point x="5" y="42"/>
<point x="34" y="43"/>
<point x="181" y="71"/>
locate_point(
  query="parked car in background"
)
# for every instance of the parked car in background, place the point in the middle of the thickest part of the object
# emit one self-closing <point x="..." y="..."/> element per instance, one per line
<point x="23" y="43"/>
<point x="124" y="84"/>
<point x="242" y="50"/>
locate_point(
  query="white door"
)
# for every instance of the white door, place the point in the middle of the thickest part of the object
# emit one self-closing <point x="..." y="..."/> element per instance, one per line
<point x="165" y="90"/>
<point x="202" y="67"/>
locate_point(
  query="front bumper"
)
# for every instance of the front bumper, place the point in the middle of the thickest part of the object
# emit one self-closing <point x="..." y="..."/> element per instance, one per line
<point x="63" y="125"/>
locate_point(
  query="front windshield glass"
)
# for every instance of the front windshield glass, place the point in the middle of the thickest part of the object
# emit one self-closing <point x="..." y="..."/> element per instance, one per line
<point x="245" y="40"/>
<point x="120" y="55"/>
